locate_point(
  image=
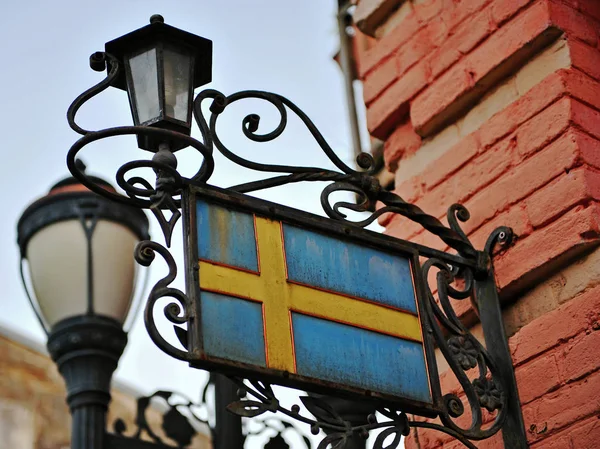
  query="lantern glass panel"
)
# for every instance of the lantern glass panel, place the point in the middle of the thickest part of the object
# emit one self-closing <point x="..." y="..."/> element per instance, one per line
<point x="58" y="263"/>
<point x="178" y="84"/>
<point x="144" y="77"/>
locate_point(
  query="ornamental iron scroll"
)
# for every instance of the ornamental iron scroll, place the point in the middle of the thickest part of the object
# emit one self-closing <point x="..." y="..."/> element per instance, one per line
<point x="485" y="376"/>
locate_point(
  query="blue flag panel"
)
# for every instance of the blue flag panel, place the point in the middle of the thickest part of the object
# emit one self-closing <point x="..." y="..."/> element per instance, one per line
<point x="361" y="358"/>
<point x="233" y="328"/>
<point x="226" y="236"/>
<point x="360" y="271"/>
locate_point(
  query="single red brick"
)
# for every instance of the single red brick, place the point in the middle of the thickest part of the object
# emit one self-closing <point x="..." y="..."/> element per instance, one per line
<point x="580" y="357"/>
<point x="379" y="79"/>
<point x="550" y="329"/>
<point x="537" y="377"/>
<point x="532" y="258"/>
<point x="414" y="50"/>
<point x="389" y="43"/>
<point x="586" y="118"/>
<point x="437" y="31"/>
<point x="543" y="127"/>
<point x="453" y="159"/>
<point x="573" y="23"/>
<point x="589" y="148"/>
<point x="587" y="435"/>
<point x="585" y="58"/>
<point x="576" y="187"/>
<point x="402" y="141"/>
<point x="385" y="112"/>
<point x="536" y="99"/>
<point x="570" y="403"/>
<point x="583" y="87"/>
<point x="551" y="442"/>
<point x="505" y="42"/>
<point x="428" y="9"/>
<point x="440" y="95"/>
<point x="503" y="10"/>
<point x="465" y="38"/>
<point x="455" y="12"/>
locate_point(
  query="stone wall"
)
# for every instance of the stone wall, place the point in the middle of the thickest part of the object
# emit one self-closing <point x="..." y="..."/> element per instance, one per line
<point x="33" y="411"/>
<point x="495" y="104"/>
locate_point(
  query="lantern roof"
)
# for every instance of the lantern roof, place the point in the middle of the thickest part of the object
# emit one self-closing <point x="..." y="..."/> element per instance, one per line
<point x="158" y="31"/>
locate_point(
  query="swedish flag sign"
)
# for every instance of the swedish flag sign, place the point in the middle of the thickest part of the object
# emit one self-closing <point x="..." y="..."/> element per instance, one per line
<point x="282" y="297"/>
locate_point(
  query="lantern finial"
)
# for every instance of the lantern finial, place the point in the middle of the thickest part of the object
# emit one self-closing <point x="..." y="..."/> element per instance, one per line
<point x="156" y="18"/>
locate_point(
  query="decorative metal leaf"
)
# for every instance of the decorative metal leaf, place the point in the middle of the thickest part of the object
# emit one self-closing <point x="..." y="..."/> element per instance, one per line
<point x="400" y="419"/>
<point x="263" y="388"/>
<point x="247" y="409"/>
<point x="396" y="431"/>
<point x="182" y="335"/>
<point x="322" y="410"/>
<point x="333" y="441"/>
<point x="177" y="427"/>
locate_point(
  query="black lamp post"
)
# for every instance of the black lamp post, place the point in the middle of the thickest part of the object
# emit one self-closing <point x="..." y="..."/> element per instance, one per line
<point x="76" y="250"/>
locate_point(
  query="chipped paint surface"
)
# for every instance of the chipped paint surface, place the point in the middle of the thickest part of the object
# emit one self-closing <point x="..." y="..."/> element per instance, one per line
<point x="362" y="358"/>
<point x="226" y="237"/>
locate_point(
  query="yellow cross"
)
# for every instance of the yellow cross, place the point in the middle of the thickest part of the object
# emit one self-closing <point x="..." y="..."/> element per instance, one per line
<point x="280" y="297"/>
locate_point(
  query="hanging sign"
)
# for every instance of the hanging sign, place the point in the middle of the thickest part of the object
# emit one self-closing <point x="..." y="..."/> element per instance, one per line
<point x="303" y="300"/>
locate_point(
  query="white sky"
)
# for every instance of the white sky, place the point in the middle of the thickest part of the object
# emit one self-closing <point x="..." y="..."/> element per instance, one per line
<point x="280" y="46"/>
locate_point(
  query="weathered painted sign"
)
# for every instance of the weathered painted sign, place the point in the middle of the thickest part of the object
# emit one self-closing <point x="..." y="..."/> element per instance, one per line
<point x="281" y="293"/>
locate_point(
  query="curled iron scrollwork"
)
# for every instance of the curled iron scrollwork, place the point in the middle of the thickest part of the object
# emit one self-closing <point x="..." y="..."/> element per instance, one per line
<point x="392" y="428"/>
<point x="177" y="312"/>
<point x="169" y="183"/>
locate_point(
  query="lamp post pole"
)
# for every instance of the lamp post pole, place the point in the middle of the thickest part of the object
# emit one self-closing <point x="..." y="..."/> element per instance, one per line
<point x="86" y="350"/>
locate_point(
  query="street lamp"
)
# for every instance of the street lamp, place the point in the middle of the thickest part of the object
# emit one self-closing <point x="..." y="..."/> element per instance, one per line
<point x="76" y="255"/>
<point x="163" y="65"/>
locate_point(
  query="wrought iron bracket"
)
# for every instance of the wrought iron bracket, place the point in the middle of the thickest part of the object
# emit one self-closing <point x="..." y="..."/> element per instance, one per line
<point x="485" y="374"/>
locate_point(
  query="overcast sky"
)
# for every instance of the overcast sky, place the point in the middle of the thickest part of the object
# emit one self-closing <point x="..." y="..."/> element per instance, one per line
<point x="280" y="46"/>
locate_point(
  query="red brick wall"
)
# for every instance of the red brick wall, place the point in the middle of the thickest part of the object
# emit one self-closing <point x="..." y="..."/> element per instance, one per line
<point x="496" y="104"/>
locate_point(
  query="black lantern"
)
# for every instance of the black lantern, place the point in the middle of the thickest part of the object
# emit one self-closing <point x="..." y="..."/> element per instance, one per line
<point x="77" y="251"/>
<point x="163" y="65"/>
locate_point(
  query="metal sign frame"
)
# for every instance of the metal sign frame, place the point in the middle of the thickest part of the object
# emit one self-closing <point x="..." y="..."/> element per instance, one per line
<point x="311" y="222"/>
